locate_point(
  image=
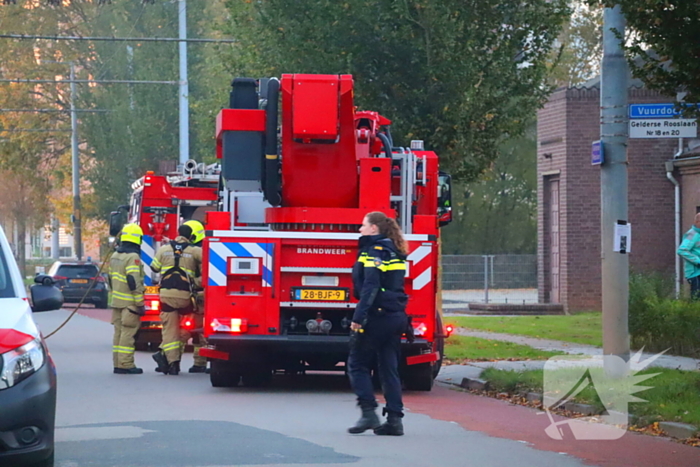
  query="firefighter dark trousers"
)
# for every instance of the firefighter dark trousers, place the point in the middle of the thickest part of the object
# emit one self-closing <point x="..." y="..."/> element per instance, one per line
<point x="380" y="343"/>
<point x="172" y="336"/>
<point x="126" y="324"/>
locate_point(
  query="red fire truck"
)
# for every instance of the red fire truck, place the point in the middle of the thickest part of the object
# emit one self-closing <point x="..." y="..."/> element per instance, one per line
<point x="160" y="204"/>
<point x="278" y="255"/>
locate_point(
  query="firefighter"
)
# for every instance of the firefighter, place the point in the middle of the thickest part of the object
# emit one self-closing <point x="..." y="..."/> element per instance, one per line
<point x="378" y="322"/>
<point x="179" y="263"/>
<point x="200" y="363"/>
<point x="126" y="282"/>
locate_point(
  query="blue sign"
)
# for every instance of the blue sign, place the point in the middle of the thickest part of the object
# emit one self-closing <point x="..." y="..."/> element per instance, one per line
<point x="597" y="153"/>
<point x="653" y="111"/>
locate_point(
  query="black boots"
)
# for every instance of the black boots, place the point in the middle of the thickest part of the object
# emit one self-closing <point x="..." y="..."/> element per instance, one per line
<point x="162" y="362"/>
<point x="197" y="369"/>
<point x="128" y="371"/>
<point x="174" y="368"/>
<point x="163" y="365"/>
<point x="368" y="421"/>
<point x="392" y="427"/>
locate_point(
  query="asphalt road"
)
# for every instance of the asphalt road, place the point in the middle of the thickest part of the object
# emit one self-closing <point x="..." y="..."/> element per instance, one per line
<point x="110" y="420"/>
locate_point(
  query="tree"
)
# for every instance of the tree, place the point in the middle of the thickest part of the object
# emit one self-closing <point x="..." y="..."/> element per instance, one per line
<point x="31" y="143"/>
<point x="497" y="213"/>
<point x="463" y="75"/>
<point x="580" y="50"/>
<point x="663" y="47"/>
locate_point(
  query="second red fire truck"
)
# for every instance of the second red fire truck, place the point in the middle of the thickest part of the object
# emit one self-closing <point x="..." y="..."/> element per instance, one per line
<point x="296" y="183"/>
<point x="159" y="205"/>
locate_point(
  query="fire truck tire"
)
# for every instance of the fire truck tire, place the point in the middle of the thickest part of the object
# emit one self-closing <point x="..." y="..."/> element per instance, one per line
<point x="257" y="378"/>
<point x="441" y="350"/>
<point x="224" y="379"/>
<point x="419" y="377"/>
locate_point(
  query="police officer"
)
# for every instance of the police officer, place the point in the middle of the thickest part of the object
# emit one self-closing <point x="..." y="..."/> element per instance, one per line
<point x="179" y="263"/>
<point x="378" y="322"/>
<point x="200" y="363"/>
<point x="126" y="282"/>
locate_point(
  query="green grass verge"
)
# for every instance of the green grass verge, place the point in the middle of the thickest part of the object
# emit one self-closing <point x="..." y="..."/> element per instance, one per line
<point x="584" y="328"/>
<point x="461" y="348"/>
<point x="674" y="395"/>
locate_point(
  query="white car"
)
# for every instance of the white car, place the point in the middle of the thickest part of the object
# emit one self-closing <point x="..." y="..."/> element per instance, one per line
<point x="27" y="373"/>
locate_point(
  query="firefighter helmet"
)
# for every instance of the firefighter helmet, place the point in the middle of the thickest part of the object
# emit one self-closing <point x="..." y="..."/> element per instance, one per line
<point x="131" y="233"/>
<point x="197" y="230"/>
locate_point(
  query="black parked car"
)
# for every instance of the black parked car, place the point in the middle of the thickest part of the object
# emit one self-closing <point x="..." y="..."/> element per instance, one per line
<point x="74" y="279"/>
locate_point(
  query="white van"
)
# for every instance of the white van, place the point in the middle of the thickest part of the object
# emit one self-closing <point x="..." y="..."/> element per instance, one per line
<point x="27" y="373"/>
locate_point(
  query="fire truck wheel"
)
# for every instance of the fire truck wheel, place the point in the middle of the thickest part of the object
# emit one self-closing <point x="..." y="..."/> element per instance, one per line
<point x="257" y="378"/>
<point x="419" y="377"/>
<point x="441" y="350"/>
<point x="224" y="380"/>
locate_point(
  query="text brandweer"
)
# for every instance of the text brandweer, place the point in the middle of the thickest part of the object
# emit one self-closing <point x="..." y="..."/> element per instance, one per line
<point x="321" y="251"/>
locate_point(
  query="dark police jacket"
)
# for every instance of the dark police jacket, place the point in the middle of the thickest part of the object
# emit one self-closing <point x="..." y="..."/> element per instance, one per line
<point x="378" y="277"/>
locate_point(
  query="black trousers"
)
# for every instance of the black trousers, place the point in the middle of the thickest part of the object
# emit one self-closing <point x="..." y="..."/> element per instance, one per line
<point x="694" y="288"/>
<point x="380" y="343"/>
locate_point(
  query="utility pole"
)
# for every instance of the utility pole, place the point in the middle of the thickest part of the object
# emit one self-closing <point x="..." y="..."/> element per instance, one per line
<point x="75" y="162"/>
<point x="613" y="185"/>
<point x="183" y="95"/>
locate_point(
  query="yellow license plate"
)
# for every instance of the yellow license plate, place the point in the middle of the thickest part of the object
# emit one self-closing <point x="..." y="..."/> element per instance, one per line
<point x="152" y="289"/>
<point x="321" y="294"/>
<point x="78" y="281"/>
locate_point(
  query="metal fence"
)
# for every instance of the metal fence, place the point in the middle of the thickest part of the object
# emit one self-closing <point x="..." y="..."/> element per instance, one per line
<point x="460" y="272"/>
<point x="488" y="279"/>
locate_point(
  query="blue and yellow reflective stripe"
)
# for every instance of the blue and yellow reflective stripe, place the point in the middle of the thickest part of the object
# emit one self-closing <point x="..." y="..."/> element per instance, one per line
<point x="122" y="349"/>
<point x="392" y="265"/>
<point x="171" y="346"/>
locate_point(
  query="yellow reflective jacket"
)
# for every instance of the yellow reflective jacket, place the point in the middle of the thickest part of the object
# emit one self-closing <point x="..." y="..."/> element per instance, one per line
<point x="126" y="262"/>
<point x="190" y="262"/>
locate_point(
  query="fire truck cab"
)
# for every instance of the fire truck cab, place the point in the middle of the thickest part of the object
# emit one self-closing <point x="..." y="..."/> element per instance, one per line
<point x="159" y="205"/>
<point x="297" y="183"/>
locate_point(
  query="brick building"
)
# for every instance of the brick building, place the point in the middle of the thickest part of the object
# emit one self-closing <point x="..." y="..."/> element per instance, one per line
<point x="568" y="193"/>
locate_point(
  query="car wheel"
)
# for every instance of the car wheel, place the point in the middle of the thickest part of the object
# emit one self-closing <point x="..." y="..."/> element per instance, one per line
<point x="102" y="303"/>
<point x="48" y="462"/>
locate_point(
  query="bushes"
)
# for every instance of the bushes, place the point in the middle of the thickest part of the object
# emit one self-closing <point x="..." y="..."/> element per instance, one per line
<point x="657" y="321"/>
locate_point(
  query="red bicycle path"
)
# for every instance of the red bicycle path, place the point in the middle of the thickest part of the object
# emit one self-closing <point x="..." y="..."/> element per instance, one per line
<point x="501" y="419"/>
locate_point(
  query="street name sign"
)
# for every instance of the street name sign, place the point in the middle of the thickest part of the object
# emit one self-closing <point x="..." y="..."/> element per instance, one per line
<point x="597" y="153"/>
<point x="660" y="121"/>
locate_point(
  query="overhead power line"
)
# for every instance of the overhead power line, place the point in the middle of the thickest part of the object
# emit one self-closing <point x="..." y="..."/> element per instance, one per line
<point x="115" y="39"/>
<point x="28" y="130"/>
<point x="88" y="81"/>
<point x="54" y="110"/>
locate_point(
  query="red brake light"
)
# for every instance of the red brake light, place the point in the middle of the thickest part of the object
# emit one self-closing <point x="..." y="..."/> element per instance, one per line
<point x="98" y="279"/>
<point x="155" y="305"/>
<point x="449" y="329"/>
<point x="59" y="278"/>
